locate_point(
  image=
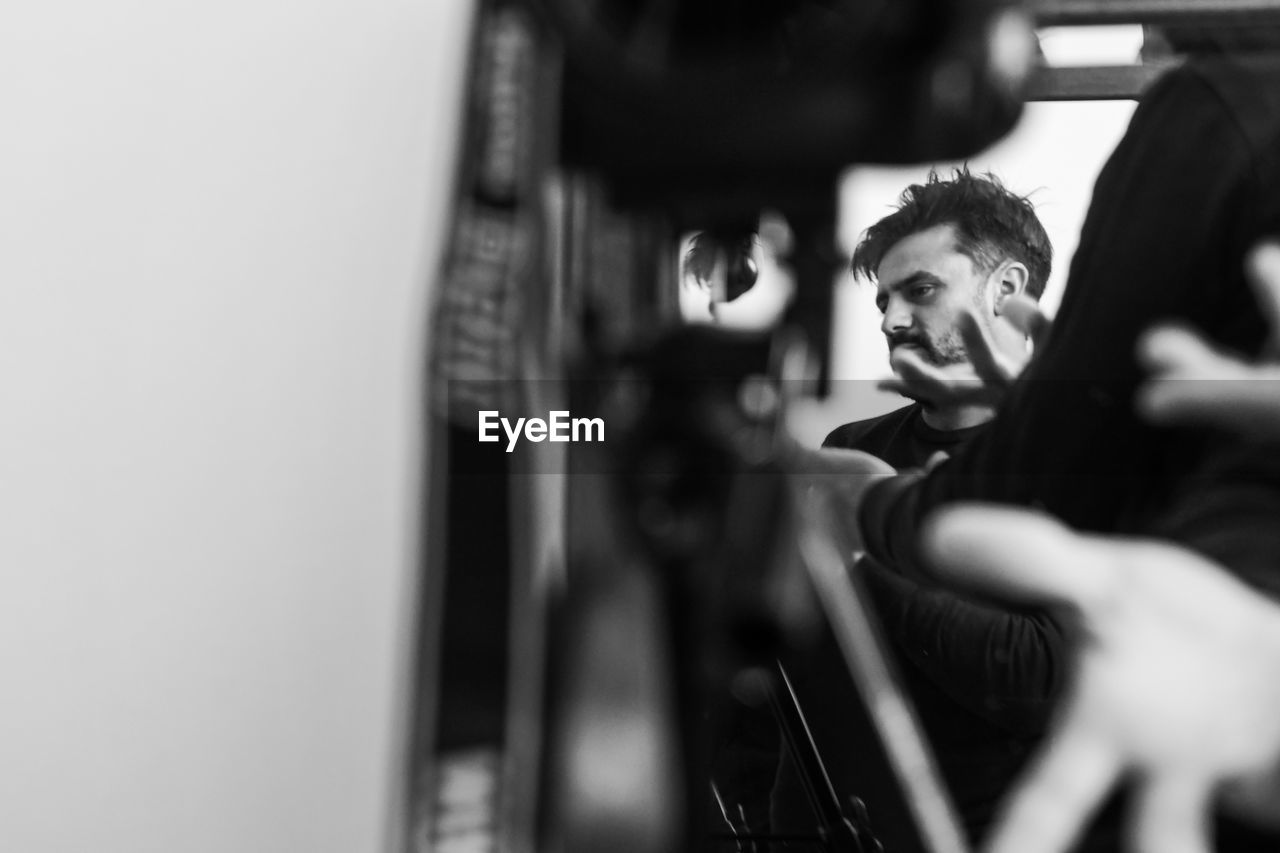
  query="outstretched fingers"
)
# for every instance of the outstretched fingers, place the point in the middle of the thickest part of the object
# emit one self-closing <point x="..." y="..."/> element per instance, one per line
<point x="916" y="378"/>
<point x="1025" y="315"/>
<point x="992" y="366"/>
<point x="1172" y="814"/>
<point x="1192" y="382"/>
<point x="913" y="373"/>
<point x="1176" y="352"/>
<point x="1054" y="801"/>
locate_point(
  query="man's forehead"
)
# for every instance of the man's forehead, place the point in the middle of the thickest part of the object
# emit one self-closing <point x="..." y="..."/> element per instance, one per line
<point x="933" y="250"/>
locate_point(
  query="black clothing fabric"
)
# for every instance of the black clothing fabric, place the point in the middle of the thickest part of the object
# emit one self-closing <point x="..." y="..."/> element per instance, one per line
<point x="1003" y="665"/>
<point x="902" y="437"/>
<point x="982" y="679"/>
<point x="1192" y="185"/>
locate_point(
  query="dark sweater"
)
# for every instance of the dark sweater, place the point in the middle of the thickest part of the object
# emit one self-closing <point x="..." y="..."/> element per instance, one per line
<point x="982" y="679"/>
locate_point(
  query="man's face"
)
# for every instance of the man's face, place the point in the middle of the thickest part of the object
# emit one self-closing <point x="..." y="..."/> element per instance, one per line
<point x="924" y="284"/>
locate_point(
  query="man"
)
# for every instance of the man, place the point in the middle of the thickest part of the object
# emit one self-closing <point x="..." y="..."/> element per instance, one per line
<point x="1193" y="184"/>
<point x="947" y="265"/>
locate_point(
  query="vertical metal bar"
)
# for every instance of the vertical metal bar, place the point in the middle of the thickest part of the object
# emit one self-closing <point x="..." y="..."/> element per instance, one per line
<point x="854" y="626"/>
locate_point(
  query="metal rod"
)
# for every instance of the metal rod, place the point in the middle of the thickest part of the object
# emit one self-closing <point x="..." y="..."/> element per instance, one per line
<point x="858" y="636"/>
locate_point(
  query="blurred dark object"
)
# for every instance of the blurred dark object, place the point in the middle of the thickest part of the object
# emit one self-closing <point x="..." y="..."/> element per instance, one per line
<point x="707" y="113"/>
<point x="684" y="554"/>
<point x="704" y="114"/>
<point x="712" y="107"/>
<point x="702" y="487"/>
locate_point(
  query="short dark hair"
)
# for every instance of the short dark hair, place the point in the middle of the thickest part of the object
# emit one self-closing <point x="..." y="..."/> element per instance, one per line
<point x="991" y="225"/>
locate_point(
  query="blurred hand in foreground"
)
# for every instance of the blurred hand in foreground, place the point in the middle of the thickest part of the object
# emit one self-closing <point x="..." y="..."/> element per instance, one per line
<point x="990" y="371"/>
<point x="1177" y="680"/>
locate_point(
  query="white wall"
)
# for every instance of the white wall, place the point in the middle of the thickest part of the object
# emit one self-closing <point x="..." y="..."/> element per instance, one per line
<point x="217" y="224"/>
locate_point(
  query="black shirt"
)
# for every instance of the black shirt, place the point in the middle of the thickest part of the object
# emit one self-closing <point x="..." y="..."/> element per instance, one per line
<point x="982" y="678"/>
<point x="902" y="437"/>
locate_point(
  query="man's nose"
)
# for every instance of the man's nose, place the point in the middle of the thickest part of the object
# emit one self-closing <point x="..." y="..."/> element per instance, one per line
<point x="896" y="318"/>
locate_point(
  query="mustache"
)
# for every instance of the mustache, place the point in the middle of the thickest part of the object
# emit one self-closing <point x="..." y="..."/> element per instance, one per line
<point x="929" y="349"/>
<point x="897" y="339"/>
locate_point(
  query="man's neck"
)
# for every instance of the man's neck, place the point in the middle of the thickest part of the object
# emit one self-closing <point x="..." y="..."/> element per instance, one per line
<point x="956" y="417"/>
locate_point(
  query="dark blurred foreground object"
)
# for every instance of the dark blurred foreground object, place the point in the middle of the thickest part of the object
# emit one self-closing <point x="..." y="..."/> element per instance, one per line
<point x="726" y="107"/>
<point x="597" y="130"/>
<point x="705" y="114"/>
<point x="645" y="119"/>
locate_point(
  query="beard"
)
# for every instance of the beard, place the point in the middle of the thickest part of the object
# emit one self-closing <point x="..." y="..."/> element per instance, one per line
<point x="941" y="351"/>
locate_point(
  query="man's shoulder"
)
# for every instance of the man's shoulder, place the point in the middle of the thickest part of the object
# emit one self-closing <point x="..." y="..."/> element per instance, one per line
<point x="855" y="434"/>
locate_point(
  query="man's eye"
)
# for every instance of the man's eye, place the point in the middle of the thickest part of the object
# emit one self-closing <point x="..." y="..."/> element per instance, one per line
<point x="921" y="291"/>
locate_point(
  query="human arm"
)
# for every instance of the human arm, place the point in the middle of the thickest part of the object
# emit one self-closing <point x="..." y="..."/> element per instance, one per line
<point x="1177" y="678"/>
<point x="1005" y="665"/>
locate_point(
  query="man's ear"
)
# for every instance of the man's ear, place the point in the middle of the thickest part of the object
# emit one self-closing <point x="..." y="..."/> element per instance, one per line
<point x="1011" y="280"/>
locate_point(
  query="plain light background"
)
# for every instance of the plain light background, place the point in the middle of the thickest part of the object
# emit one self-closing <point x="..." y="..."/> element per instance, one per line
<point x="218" y="223"/>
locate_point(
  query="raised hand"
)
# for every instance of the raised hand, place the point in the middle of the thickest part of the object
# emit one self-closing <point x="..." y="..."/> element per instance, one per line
<point x="1177" y="679"/>
<point x="990" y="371"/>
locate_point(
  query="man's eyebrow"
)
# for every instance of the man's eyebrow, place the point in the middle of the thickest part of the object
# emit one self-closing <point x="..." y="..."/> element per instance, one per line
<point x="917" y="277"/>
